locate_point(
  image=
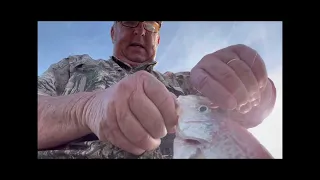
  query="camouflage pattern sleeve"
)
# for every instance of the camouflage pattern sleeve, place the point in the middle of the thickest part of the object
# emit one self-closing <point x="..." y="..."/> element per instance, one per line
<point x="96" y="150"/>
<point x="181" y="80"/>
<point x="53" y="81"/>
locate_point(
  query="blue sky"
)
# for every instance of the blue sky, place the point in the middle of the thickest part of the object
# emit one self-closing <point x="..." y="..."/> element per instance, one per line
<point x="182" y="45"/>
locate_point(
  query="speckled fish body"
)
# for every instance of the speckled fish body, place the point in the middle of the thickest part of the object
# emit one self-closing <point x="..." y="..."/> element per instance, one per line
<point x="205" y="132"/>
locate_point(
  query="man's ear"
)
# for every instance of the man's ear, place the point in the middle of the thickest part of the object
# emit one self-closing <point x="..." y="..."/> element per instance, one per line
<point x="158" y="39"/>
<point x="112" y="34"/>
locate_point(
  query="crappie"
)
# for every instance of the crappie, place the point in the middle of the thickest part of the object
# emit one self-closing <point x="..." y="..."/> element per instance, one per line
<point x="206" y="132"/>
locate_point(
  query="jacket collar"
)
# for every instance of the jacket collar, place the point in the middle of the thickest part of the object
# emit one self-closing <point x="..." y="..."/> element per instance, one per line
<point x="145" y="66"/>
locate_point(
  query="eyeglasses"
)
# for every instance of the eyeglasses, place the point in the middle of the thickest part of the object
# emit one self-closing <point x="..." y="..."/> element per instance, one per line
<point x="151" y="26"/>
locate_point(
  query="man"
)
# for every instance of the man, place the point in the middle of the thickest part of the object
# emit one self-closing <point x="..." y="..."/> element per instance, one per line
<point x="122" y="108"/>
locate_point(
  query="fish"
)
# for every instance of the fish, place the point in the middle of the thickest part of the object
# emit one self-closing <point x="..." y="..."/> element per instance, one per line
<point x="205" y="131"/>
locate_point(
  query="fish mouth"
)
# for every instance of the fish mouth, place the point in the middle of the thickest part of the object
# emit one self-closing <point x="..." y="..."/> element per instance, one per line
<point x="192" y="141"/>
<point x="194" y="132"/>
<point x="187" y="149"/>
<point x="198" y="154"/>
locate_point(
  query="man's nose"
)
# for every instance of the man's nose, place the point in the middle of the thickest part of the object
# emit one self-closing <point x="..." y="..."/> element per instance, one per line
<point x="139" y="30"/>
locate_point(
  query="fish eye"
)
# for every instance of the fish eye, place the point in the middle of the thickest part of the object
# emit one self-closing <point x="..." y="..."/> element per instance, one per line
<point x="203" y="108"/>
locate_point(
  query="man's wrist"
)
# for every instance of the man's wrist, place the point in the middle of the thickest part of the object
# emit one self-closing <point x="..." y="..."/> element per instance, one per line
<point x="80" y="110"/>
<point x="59" y="119"/>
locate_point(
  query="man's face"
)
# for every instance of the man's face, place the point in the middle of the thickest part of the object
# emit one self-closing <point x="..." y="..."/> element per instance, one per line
<point x="134" y="44"/>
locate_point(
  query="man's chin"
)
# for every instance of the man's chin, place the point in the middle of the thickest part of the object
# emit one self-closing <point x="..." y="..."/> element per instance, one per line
<point x="137" y="59"/>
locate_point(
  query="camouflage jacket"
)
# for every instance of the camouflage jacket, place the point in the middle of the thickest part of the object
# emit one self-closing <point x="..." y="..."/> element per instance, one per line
<point x="81" y="73"/>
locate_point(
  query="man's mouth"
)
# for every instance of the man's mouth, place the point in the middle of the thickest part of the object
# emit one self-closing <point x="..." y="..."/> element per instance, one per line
<point x="137" y="45"/>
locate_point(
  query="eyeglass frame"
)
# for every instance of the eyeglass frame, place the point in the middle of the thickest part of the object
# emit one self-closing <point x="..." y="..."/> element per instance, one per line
<point x="158" y="22"/>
